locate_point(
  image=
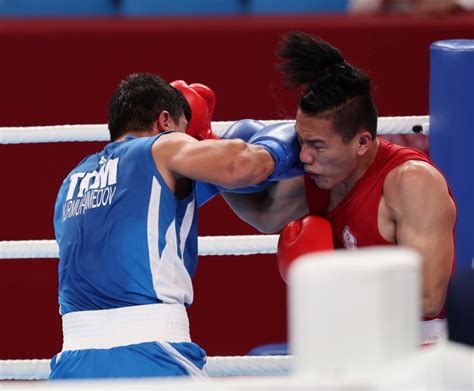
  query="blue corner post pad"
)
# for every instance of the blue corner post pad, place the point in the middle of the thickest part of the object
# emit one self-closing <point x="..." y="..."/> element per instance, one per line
<point x="452" y="132"/>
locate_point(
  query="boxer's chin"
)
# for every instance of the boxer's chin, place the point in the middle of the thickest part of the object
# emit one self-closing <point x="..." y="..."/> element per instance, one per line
<point x="322" y="182"/>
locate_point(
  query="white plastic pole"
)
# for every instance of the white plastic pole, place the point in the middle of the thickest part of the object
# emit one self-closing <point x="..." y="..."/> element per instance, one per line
<point x="353" y="312"/>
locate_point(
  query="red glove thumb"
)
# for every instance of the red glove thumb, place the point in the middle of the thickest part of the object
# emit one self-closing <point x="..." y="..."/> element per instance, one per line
<point x="299" y="237"/>
<point x="207" y="94"/>
<point x="200" y="124"/>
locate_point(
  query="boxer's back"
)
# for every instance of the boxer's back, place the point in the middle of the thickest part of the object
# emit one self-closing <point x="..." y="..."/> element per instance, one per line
<point x="124" y="239"/>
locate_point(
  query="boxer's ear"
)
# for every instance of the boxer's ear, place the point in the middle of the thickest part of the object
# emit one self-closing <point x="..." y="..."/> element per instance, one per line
<point x="164" y="122"/>
<point x="364" y="140"/>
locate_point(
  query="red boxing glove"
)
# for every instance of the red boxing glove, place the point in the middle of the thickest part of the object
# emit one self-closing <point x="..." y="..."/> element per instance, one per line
<point x="308" y="234"/>
<point x="207" y="94"/>
<point x="202" y="101"/>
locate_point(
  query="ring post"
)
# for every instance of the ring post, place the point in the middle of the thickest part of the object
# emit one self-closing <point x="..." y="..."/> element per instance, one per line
<point x="353" y="312"/>
<point x="452" y="132"/>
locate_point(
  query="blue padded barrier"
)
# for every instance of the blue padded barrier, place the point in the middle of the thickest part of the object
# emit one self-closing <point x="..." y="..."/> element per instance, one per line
<point x="460" y="306"/>
<point x="273" y="349"/>
<point x="452" y="132"/>
<point x="180" y="7"/>
<point x="297" y="6"/>
<point x="57" y="8"/>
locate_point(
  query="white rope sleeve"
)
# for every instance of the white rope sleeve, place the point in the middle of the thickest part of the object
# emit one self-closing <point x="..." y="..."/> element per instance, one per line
<point x="237" y="245"/>
<point x="24" y="369"/>
<point x="62" y="133"/>
<point x="50" y="134"/>
<point x="217" y="366"/>
<point x="208" y="245"/>
<point x="248" y="365"/>
<point x="404" y="124"/>
<point x="27" y="249"/>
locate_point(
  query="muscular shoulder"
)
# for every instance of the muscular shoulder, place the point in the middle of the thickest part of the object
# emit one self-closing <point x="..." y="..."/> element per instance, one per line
<point x="413" y="173"/>
<point x="413" y="183"/>
<point x="169" y="139"/>
<point x="170" y="144"/>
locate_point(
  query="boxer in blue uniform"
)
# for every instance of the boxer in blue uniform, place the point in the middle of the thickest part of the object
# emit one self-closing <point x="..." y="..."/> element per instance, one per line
<point x="126" y="225"/>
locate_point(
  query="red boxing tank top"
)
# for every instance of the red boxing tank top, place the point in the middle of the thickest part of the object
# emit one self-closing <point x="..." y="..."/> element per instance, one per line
<point x="355" y="220"/>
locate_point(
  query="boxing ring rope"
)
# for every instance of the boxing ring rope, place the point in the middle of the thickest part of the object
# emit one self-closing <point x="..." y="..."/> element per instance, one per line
<point x="208" y="245"/>
<point x="218" y="366"/>
<point x="63" y="133"/>
<point x="217" y="245"/>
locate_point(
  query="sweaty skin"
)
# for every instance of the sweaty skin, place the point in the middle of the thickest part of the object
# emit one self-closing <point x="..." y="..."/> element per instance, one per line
<point x="417" y="211"/>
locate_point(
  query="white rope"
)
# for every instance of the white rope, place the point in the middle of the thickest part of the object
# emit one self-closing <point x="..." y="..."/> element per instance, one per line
<point x="50" y="134"/>
<point x="24" y="369"/>
<point x="62" y="133"/>
<point x="237" y="245"/>
<point x="26" y="249"/>
<point x="249" y="365"/>
<point x="208" y="245"/>
<point x="217" y="366"/>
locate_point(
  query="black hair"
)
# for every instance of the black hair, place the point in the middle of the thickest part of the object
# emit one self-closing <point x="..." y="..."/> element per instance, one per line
<point x="138" y="101"/>
<point x="333" y="88"/>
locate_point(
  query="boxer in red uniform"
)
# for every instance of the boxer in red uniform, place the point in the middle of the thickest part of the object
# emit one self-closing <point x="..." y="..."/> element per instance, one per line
<point x="371" y="191"/>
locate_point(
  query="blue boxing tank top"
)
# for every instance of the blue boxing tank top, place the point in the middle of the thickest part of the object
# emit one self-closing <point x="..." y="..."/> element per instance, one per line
<point x="124" y="239"/>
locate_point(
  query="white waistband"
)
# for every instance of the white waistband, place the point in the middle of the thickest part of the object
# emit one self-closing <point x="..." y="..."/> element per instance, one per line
<point x="432" y="331"/>
<point x="105" y="329"/>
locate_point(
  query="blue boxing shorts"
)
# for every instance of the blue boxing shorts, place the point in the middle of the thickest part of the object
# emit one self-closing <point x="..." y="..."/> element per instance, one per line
<point x="138" y="341"/>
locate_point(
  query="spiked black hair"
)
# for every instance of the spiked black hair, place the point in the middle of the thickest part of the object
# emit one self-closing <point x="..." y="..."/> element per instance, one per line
<point x="334" y="89"/>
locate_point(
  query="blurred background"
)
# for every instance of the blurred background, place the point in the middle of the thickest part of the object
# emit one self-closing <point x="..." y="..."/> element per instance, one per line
<point x="151" y="8"/>
<point x="60" y="62"/>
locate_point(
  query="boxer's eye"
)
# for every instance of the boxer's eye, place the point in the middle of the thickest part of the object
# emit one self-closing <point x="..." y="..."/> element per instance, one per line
<point x="316" y="145"/>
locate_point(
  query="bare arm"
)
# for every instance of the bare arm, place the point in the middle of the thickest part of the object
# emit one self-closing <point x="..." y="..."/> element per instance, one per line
<point x="270" y="210"/>
<point x="228" y="163"/>
<point x="424" y="215"/>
